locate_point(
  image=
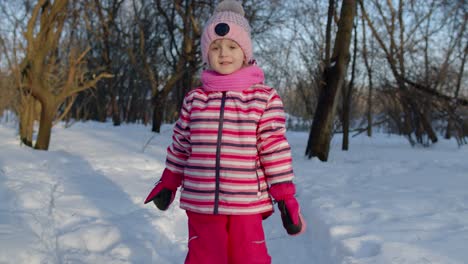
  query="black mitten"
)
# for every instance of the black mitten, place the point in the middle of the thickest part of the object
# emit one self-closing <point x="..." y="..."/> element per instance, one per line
<point x="289" y="218"/>
<point x="164" y="191"/>
<point x="288" y="206"/>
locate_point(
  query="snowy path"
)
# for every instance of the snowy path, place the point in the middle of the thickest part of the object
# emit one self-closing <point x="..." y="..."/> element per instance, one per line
<point x="73" y="212"/>
<point x="385" y="202"/>
<point x="81" y="202"/>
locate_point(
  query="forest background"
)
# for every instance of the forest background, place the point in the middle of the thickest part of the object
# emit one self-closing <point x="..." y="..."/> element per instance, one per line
<point x="340" y="66"/>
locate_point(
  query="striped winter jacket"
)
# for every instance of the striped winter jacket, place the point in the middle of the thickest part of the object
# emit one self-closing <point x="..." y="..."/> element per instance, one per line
<point x="230" y="146"/>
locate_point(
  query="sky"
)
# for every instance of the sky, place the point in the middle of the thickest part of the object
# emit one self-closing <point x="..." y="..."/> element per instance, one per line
<point x="382" y="201"/>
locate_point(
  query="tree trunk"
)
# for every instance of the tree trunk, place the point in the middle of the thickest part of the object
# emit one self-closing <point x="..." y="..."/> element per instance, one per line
<point x="115" y="109"/>
<point x="326" y="64"/>
<point x="45" y="126"/>
<point x="158" y="110"/>
<point x="428" y="128"/>
<point x="348" y="95"/>
<point x="369" y="76"/>
<point x="321" y="130"/>
<point x="345" y="116"/>
<point x="100" y="104"/>
<point x="453" y="106"/>
<point x="26" y="124"/>
<point x="448" y="129"/>
<point x="331" y="13"/>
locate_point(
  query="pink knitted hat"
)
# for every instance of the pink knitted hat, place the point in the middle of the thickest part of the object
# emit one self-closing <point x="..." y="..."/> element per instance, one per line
<point x="228" y="21"/>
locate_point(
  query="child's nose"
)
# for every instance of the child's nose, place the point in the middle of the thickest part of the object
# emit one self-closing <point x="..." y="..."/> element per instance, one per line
<point x="222" y="52"/>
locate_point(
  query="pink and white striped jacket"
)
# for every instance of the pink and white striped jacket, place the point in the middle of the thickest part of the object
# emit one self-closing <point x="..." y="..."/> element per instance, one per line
<point x="230" y="146"/>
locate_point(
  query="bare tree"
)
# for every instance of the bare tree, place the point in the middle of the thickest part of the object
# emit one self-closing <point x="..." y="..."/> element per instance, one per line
<point x="48" y="73"/>
<point x="415" y="120"/>
<point x="8" y="93"/>
<point x="105" y="38"/>
<point x="333" y="77"/>
<point x="25" y="104"/>
<point x="179" y="52"/>
<point x="369" y="71"/>
<point x="347" y="95"/>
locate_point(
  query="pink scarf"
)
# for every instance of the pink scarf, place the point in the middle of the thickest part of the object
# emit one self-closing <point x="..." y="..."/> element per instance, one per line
<point x="236" y="81"/>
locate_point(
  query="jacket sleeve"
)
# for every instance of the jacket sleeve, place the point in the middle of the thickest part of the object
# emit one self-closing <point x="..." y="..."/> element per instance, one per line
<point x="273" y="147"/>
<point x="180" y="149"/>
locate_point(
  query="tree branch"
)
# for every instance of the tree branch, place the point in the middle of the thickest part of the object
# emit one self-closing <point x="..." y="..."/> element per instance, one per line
<point x="427" y="90"/>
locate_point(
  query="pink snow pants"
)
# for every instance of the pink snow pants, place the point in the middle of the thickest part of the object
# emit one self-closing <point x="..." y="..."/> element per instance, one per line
<point x="226" y="239"/>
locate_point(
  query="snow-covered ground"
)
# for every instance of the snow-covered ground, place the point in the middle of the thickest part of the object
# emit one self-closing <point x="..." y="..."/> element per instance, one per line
<point x="82" y="201"/>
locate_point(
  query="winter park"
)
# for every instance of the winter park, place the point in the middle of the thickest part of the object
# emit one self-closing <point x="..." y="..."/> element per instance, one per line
<point x="82" y="201"/>
<point x="169" y="131"/>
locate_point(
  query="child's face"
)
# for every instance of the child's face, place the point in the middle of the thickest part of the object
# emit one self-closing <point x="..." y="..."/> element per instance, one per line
<point x="225" y="56"/>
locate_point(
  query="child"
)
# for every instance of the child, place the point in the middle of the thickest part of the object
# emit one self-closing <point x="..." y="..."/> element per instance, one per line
<point x="229" y="152"/>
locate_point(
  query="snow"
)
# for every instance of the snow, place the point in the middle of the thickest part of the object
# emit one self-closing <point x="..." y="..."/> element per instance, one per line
<point x="82" y="201"/>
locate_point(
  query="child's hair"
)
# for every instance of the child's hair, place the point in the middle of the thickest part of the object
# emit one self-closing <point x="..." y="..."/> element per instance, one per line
<point x="228" y="21"/>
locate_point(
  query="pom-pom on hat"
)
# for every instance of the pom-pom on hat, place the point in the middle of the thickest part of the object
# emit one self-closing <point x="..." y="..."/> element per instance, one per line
<point x="228" y="21"/>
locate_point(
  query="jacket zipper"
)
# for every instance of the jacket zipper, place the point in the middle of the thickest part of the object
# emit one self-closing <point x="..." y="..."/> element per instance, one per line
<point x="218" y="152"/>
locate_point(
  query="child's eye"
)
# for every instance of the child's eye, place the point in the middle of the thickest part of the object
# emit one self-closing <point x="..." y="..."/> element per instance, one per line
<point x="233" y="47"/>
<point x="214" y="48"/>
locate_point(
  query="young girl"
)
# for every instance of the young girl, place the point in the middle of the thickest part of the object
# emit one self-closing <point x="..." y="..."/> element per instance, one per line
<point x="229" y="152"/>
